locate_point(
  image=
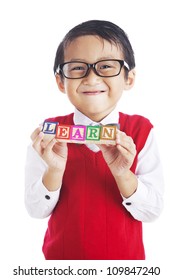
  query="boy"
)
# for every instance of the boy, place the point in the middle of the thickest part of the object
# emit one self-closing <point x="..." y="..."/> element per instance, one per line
<point x="97" y="195"/>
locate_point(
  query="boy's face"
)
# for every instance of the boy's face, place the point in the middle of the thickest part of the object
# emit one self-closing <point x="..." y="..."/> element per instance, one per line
<point x="93" y="95"/>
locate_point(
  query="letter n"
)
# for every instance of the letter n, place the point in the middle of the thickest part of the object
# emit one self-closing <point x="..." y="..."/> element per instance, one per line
<point x="108" y="132"/>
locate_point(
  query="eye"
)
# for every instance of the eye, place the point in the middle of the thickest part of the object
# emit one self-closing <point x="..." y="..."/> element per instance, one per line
<point x="108" y="65"/>
<point x="77" y="68"/>
<point x="105" y="66"/>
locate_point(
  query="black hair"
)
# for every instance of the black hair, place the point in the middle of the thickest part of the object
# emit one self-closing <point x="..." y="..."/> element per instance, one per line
<point x="103" y="29"/>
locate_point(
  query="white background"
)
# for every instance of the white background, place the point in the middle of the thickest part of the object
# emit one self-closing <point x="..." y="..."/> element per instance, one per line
<point x="30" y="31"/>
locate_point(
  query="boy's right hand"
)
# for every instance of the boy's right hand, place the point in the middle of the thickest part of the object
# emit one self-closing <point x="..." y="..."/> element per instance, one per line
<point x="52" y="152"/>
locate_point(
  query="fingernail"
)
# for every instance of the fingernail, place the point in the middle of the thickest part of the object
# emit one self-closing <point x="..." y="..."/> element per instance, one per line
<point x="41" y="134"/>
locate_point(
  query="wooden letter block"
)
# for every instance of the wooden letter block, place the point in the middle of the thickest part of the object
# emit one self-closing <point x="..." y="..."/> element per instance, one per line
<point x="78" y="133"/>
<point x="63" y="132"/>
<point x="108" y="132"/>
<point x="93" y="133"/>
<point x="49" y="127"/>
<point x="49" y="130"/>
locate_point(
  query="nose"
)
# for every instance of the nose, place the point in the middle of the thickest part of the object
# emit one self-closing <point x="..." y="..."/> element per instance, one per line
<point x="91" y="77"/>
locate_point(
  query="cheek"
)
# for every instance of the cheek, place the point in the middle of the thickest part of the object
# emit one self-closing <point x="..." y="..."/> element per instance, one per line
<point x="117" y="86"/>
<point x="68" y="89"/>
<point x="69" y="84"/>
<point x="116" y="90"/>
<point x="71" y="87"/>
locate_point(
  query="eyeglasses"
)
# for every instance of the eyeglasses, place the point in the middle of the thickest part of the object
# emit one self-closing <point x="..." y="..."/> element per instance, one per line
<point x="103" y="68"/>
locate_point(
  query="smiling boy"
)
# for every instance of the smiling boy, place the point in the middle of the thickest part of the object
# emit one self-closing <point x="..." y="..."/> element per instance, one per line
<point x="97" y="195"/>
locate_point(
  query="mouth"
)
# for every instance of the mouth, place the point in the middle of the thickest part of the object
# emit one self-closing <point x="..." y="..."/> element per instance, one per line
<point x="93" y="92"/>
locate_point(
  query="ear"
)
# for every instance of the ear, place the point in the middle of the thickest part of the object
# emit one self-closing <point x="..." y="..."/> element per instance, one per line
<point x="60" y="83"/>
<point x="130" y="80"/>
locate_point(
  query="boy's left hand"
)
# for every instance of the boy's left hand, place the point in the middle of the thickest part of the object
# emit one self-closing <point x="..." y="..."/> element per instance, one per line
<point x="120" y="157"/>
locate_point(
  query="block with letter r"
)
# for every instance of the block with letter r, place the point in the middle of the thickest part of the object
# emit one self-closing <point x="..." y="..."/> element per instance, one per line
<point x="93" y="133"/>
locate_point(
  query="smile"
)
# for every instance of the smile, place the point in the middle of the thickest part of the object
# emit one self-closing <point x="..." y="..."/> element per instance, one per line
<point x="97" y="92"/>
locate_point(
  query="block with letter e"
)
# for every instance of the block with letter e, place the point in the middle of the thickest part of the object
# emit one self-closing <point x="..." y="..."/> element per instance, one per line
<point x="63" y="132"/>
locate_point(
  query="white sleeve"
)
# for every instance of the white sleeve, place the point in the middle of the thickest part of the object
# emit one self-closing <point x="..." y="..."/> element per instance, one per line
<point x="146" y="203"/>
<point x="39" y="201"/>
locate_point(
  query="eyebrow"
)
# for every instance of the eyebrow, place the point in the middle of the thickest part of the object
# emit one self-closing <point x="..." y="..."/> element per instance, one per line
<point x="100" y="58"/>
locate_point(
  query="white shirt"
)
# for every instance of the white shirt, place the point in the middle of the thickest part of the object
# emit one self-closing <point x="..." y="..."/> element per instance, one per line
<point x="144" y="205"/>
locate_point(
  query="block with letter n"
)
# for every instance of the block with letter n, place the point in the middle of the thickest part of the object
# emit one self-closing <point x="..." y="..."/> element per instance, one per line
<point x="108" y="132"/>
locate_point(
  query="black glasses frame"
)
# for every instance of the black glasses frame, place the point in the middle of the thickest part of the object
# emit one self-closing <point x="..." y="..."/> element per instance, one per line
<point x="91" y="65"/>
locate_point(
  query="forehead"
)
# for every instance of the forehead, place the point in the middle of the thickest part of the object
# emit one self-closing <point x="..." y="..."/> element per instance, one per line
<point x="91" y="48"/>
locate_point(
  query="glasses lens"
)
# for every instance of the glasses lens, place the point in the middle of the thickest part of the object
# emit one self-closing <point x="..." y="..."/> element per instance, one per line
<point x="75" y="70"/>
<point x="108" y="68"/>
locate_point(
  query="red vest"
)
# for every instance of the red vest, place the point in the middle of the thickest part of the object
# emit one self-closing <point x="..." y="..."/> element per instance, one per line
<point x="89" y="221"/>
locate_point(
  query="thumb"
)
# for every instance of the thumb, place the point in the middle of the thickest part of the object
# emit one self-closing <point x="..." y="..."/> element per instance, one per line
<point x="49" y="145"/>
<point x="103" y="147"/>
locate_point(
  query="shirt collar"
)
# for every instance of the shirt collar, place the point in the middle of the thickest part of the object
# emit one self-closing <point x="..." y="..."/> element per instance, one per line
<point x="80" y="119"/>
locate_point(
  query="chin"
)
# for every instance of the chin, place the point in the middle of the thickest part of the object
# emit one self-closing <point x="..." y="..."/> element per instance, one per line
<point x="96" y="115"/>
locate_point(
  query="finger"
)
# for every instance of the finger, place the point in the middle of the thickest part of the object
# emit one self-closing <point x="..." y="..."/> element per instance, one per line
<point x="35" y="133"/>
<point x="108" y="149"/>
<point x="46" y="139"/>
<point x="120" y="136"/>
<point x="49" y="147"/>
<point x="59" y="145"/>
<point x="127" y="148"/>
<point x="37" y="142"/>
<point x="104" y="147"/>
<point x="126" y="142"/>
